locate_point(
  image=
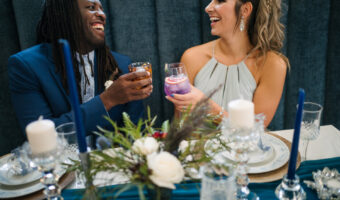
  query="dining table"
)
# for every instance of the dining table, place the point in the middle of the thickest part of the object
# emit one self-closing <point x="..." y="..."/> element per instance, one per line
<point x="322" y="152"/>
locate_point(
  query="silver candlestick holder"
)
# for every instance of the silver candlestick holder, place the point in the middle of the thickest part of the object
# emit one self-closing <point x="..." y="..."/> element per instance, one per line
<point x="290" y="189"/>
<point x="242" y="141"/>
<point x="46" y="163"/>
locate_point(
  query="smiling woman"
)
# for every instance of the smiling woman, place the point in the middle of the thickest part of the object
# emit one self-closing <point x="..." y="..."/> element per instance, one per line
<point x="245" y="59"/>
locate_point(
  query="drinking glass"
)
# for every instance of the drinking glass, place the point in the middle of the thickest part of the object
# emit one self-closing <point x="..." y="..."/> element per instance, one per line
<point x="67" y="133"/>
<point x="217" y="186"/>
<point x="176" y="79"/>
<point x="140" y="67"/>
<point x="310" y="125"/>
<point x="68" y="136"/>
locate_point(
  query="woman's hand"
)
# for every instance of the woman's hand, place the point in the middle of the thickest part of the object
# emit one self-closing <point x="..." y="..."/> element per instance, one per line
<point x="183" y="101"/>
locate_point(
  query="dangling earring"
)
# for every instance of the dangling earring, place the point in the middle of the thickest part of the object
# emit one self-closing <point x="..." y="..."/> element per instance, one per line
<point x="242" y="24"/>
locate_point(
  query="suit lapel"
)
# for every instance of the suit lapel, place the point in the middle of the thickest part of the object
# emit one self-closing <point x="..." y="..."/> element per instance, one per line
<point x="56" y="76"/>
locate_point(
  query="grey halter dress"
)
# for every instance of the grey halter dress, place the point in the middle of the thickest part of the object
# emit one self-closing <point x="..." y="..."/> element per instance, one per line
<point x="236" y="80"/>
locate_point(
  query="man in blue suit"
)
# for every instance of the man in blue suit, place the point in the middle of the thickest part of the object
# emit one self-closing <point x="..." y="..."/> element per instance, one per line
<point x="37" y="75"/>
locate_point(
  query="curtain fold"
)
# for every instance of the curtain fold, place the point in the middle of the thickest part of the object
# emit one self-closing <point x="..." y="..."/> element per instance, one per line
<point x="27" y="14"/>
<point x="332" y="91"/>
<point x="307" y="52"/>
<point x="134" y="33"/>
<point x="10" y="135"/>
<point x="178" y="25"/>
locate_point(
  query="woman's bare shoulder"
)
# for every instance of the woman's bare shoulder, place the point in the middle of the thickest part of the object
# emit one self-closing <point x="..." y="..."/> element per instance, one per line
<point x="199" y="51"/>
<point x="196" y="57"/>
<point x="275" y="61"/>
<point x="274" y="67"/>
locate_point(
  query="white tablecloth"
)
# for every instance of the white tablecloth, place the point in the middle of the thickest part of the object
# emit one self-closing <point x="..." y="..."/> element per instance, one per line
<point x="327" y="145"/>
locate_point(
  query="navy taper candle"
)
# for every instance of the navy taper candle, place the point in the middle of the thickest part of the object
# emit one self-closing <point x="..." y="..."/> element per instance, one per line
<point x="296" y="137"/>
<point x="74" y="97"/>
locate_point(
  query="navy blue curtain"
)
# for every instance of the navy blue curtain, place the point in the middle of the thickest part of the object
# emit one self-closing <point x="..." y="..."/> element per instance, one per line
<point x="159" y="31"/>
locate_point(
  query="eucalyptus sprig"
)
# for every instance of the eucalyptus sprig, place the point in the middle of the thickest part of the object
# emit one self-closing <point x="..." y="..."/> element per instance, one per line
<point x="192" y="121"/>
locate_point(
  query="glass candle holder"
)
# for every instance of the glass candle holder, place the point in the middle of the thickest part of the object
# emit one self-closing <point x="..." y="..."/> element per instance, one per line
<point x="290" y="189"/>
<point x="47" y="163"/>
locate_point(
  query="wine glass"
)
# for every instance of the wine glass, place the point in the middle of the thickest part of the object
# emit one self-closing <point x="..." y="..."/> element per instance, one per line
<point x="176" y="79"/>
<point x="68" y="136"/>
<point x="310" y="125"/>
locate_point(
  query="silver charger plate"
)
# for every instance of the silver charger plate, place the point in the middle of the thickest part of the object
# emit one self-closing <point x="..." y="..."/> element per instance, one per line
<point x="21" y="190"/>
<point x="271" y="160"/>
<point x="9" y="178"/>
<point x="11" y="191"/>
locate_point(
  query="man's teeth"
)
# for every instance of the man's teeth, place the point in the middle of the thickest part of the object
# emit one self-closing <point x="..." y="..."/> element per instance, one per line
<point x="98" y="27"/>
<point x="214" y="19"/>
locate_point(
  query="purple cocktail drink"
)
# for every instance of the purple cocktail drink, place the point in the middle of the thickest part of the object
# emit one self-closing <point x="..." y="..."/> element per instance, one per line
<point x="177" y="85"/>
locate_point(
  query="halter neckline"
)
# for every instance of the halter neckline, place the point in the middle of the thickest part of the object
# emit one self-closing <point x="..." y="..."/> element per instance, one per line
<point x="213" y="55"/>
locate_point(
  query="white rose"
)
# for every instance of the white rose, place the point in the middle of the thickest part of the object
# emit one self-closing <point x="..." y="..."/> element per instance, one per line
<point x="145" y="146"/>
<point x="166" y="169"/>
<point x="183" y="146"/>
<point x="107" y="84"/>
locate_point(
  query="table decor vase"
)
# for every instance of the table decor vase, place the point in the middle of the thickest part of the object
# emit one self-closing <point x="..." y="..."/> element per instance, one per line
<point x="159" y="193"/>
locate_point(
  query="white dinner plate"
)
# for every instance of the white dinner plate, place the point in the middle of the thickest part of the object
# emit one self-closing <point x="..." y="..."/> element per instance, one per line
<point x="20" y="190"/>
<point x="256" y="157"/>
<point x="272" y="161"/>
<point x="9" y="178"/>
<point x="280" y="158"/>
<point x="11" y="191"/>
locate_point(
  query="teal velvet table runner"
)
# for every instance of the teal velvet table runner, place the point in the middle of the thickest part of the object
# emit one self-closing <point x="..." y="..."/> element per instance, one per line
<point x="190" y="190"/>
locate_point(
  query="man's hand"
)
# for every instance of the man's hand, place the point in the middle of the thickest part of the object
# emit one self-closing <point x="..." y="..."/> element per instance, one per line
<point x="125" y="89"/>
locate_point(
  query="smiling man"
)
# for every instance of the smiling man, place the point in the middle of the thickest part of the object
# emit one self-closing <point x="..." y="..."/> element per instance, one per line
<point x="38" y="81"/>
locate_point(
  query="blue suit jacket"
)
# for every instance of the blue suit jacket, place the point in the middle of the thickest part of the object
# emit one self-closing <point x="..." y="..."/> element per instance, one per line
<point x="36" y="89"/>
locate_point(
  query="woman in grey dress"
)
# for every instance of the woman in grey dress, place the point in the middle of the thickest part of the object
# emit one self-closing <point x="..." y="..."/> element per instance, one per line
<point x="245" y="59"/>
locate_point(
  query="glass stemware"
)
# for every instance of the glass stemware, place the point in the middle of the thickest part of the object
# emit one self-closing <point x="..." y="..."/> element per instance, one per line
<point x="242" y="141"/>
<point x="68" y="136"/>
<point x="215" y="185"/>
<point x="176" y="79"/>
<point x="47" y="163"/>
<point x="310" y="125"/>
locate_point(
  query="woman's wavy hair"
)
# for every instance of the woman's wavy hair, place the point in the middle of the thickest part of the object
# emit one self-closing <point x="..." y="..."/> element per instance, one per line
<point x="265" y="31"/>
<point x="62" y="19"/>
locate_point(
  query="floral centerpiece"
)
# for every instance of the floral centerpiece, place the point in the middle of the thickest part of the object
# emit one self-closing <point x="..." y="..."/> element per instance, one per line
<point x="155" y="158"/>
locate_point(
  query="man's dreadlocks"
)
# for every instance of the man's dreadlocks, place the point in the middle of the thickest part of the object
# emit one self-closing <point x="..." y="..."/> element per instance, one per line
<point x="62" y="19"/>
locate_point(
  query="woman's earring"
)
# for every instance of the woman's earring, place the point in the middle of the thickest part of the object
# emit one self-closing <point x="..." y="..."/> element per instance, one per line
<point x="242" y="24"/>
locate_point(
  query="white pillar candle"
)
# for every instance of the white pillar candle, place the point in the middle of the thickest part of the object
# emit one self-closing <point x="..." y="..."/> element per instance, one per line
<point x="241" y="113"/>
<point x="42" y="136"/>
